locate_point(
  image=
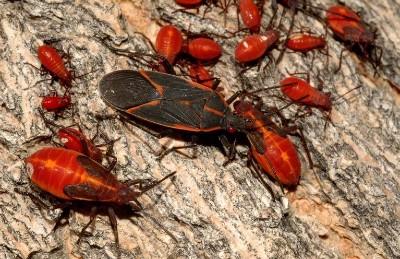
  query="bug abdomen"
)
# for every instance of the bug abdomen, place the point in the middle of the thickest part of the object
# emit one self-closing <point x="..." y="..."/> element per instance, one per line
<point x="53" y="62"/>
<point x="304" y="43"/>
<point x="57" y="169"/>
<point x="279" y="160"/>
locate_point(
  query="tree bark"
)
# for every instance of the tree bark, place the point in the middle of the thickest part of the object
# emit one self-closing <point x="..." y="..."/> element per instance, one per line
<point x="346" y="207"/>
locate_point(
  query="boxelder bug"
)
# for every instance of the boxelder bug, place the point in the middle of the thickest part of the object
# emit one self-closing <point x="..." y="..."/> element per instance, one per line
<point x="204" y="49"/>
<point x="75" y="139"/>
<point x="72" y="176"/>
<point x="169" y="42"/>
<point x="299" y="90"/>
<point x="201" y="75"/>
<point x="254" y="46"/>
<point x="169" y="101"/>
<point x="349" y="28"/>
<point x="195" y="4"/>
<point x="53" y="62"/>
<point x="302" y="42"/>
<point x="55" y="103"/>
<point x="189" y="3"/>
<point x="274" y="153"/>
<point x="250" y="15"/>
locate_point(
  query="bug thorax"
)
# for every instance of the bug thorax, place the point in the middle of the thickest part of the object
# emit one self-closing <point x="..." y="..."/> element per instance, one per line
<point x="126" y="194"/>
<point x="236" y="123"/>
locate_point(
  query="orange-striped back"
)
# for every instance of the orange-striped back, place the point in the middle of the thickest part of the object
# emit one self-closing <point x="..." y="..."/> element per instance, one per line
<point x="52" y="169"/>
<point x="279" y="158"/>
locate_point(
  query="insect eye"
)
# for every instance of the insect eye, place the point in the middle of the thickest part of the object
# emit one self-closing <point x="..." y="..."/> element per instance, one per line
<point x="231" y="130"/>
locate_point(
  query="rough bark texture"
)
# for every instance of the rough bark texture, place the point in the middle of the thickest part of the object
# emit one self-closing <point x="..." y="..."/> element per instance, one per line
<point x="211" y="210"/>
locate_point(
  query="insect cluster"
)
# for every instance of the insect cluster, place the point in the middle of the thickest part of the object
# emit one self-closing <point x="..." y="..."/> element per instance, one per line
<point x="179" y="91"/>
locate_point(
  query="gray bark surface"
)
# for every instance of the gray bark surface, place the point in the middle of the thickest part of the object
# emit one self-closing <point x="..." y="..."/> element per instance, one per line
<point x="352" y="211"/>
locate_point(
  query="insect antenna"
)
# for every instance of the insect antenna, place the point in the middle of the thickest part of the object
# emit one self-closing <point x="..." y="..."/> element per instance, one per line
<point x="342" y="96"/>
<point x="154" y="184"/>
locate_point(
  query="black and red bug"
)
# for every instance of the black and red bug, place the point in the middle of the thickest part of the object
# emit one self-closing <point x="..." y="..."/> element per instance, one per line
<point x="169" y="101"/>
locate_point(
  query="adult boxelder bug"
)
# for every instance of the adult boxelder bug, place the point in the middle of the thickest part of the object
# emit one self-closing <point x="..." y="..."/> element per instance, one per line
<point x="169" y="101"/>
<point x="274" y="153"/>
<point x="254" y="46"/>
<point x="72" y="176"/>
<point x="250" y="15"/>
<point x="169" y="42"/>
<point x="53" y="62"/>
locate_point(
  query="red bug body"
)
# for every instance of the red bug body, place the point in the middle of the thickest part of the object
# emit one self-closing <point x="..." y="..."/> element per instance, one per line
<point x="305" y="42"/>
<point x="64" y="173"/>
<point x="254" y="46"/>
<point x="349" y="28"/>
<point x="169" y="42"/>
<point x="201" y="75"/>
<point x="276" y="155"/>
<point x="56" y="103"/>
<point x="53" y="62"/>
<point x="75" y="140"/>
<point x="188" y="3"/>
<point x="298" y="90"/>
<point x="340" y="17"/>
<point x="250" y="15"/>
<point x="204" y="49"/>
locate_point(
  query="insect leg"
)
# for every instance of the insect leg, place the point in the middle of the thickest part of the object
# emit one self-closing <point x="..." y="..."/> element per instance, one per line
<point x="256" y="172"/>
<point x="229" y="148"/>
<point x="340" y="61"/>
<point x="193" y="144"/>
<point x="64" y="216"/>
<point x="93" y="214"/>
<point x="113" y="222"/>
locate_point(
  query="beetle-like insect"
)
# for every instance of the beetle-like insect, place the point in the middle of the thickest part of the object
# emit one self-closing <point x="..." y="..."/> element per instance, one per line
<point x="52" y="61"/>
<point x="56" y="103"/>
<point x="169" y="42"/>
<point x="72" y="176"/>
<point x="204" y="49"/>
<point x="299" y="90"/>
<point x="274" y="153"/>
<point x="302" y="42"/>
<point x="169" y="101"/>
<point x="350" y="28"/>
<point x="200" y="74"/>
<point x="255" y="46"/>
<point x="250" y="14"/>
